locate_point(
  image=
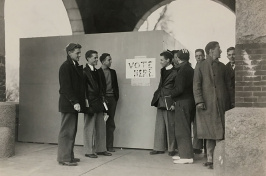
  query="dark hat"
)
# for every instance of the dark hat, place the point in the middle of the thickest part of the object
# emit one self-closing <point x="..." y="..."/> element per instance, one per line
<point x="183" y="54"/>
<point x="72" y="46"/>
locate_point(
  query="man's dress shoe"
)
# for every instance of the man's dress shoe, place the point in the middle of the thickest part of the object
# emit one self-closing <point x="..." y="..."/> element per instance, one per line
<point x="104" y="153"/>
<point x="75" y="160"/>
<point x="71" y="163"/>
<point x="91" y="155"/>
<point x="110" y="149"/>
<point x="154" y="152"/>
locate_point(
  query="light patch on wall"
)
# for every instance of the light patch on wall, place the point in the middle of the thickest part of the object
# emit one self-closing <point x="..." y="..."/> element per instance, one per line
<point x="30" y="18"/>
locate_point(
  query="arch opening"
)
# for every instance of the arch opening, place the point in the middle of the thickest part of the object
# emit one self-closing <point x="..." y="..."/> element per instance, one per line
<point x="193" y="23"/>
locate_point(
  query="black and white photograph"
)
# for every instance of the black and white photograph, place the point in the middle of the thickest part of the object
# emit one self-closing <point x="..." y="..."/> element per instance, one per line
<point x="132" y="87"/>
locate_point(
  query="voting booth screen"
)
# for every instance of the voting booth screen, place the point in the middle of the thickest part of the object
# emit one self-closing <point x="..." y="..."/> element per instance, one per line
<point x="136" y="59"/>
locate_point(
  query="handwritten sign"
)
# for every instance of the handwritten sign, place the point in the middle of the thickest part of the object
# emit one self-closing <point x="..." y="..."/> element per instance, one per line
<point x="140" y="68"/>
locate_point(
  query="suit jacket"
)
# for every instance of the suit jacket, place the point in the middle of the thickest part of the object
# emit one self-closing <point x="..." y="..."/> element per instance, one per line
<point x="92" y="84"/>
<point x="231" y="74"/>
<point x="165" y="88"/>
<point x="211" y="86"/>
<point x="183" y="87"/>
<point x="71" y="87"/>
<point x="114" y="82"/>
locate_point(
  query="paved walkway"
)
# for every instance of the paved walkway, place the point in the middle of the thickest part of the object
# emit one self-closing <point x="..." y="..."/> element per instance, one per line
<point x="40" y="160"/>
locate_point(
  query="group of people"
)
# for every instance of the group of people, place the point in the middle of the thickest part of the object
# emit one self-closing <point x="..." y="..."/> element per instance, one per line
<point x="93" y="92"/>
<point x="186" y="96"/>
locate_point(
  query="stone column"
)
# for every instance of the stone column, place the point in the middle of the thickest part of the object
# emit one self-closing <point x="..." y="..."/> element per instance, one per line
<point x="243" y="153"/>
<point x="2" y="54"/>
<point x="7" y="129"/>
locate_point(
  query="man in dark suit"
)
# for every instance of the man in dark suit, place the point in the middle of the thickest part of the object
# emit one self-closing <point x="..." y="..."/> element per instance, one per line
<point x="230" y="67"/>
<point x="94" y="125"/>
<point x="111" y="93"/>
<point x="165" y="116"/>
<point x="184" y="107"/>
<point x="71" y="102"/>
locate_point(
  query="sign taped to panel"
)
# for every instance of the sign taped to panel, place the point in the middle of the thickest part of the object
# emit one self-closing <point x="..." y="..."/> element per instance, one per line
<point x="140" y="68"/>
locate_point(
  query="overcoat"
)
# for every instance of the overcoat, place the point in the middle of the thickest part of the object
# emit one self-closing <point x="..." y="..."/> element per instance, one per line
<point x="211" y="85"/>
<point x="114" y="82"/>
<point x="165" y="87"/>
<point x="71" y="86"/>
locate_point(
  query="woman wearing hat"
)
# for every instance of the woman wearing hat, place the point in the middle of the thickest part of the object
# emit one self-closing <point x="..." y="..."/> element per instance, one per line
<point x="184" y="107"/>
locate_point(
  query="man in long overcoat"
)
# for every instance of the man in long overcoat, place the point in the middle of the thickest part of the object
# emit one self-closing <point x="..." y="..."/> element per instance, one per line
<point x="198" y="143"/>
<point x="71" y="102"/>
<point x="211" y="87"/>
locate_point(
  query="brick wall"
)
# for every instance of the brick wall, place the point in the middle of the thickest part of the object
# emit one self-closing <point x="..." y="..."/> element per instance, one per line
<point x="250" y="75"/>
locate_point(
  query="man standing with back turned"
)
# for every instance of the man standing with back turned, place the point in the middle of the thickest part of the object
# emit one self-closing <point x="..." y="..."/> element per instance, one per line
<point x="71" y="102"/>
<point x="211" y="89"/>
<point x="111" y="94"/>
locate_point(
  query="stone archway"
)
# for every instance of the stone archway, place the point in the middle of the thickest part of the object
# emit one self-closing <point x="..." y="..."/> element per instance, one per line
<point x="115" y="15"/>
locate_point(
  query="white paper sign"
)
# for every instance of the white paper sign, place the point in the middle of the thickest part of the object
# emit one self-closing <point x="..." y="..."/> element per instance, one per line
<point x="140" y="68"/>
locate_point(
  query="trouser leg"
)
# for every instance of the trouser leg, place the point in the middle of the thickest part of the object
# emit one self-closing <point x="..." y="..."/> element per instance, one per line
<point x="183" y="131"/>
<point x="210" y="144"/>
<point x="159" y="135"/>
<point x="170" y="129"/>
<point x="100" y="133"/>
<point x="89" y="133"/>
<point x="110" y="123"/>
<point x="66" y="138"/>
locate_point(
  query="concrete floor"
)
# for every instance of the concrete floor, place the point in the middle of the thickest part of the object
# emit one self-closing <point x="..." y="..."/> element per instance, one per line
<point x="40" y="160"/>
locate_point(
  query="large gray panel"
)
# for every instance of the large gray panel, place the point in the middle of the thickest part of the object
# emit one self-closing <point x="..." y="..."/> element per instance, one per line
<point x="40" y="59"/>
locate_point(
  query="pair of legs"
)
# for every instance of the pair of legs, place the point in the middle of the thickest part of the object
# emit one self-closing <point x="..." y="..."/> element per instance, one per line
<point x="94" y="135"/>
<point x="110" y="123"/>
<point x="164" y="122"/>
<point x="184" y="110"/>
<point x="210" y="145"/>
<point x="66" y="138"/>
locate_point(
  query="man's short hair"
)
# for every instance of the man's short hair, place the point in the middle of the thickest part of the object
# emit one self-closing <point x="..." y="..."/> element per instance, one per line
<point x="167" y="55"/>
<point x="230" y="48"/>
<point x="183" y="54"/>
<point x="103" y="57"/>
<point x="72" y="46"/>
<point x="210" y="45"/>
<point x="200" y="50"/>
<point x="89" y="53"/>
